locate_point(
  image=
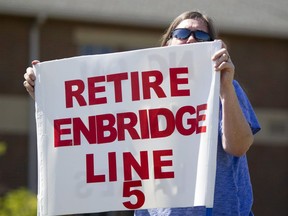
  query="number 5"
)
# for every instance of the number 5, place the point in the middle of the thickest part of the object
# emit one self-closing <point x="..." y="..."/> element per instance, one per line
<point x="127" y="192"/>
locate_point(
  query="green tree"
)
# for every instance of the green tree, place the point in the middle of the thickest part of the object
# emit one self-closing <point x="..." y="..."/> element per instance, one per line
<point x="20" y="202"/>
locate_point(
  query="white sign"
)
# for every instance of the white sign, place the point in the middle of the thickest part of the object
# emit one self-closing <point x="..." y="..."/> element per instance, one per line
<point x="129" y="130"/>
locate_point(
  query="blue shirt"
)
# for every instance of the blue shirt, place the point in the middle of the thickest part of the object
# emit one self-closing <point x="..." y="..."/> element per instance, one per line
<point x="233" y="191"/>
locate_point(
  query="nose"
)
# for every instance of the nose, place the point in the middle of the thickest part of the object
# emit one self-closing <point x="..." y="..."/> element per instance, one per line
<point x="191" y="39"/>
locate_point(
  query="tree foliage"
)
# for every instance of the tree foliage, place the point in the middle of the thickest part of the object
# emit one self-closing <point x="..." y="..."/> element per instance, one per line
<point x="20" y="202"/>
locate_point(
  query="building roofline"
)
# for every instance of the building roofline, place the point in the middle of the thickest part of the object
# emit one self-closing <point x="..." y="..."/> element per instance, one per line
<point x="245" y="17"/>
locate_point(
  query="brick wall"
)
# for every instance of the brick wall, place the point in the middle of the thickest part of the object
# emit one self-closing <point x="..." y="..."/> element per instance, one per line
<point x="13" y="53"/>
<point x="13" y="61"/>
<point x="262" y="67"/>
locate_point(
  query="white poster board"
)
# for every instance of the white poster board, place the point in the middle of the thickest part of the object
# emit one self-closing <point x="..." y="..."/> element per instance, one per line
<point x="129" y="130"/>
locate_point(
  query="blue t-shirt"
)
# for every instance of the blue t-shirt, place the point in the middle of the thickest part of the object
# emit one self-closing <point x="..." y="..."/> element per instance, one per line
<point x="233" y="191"/>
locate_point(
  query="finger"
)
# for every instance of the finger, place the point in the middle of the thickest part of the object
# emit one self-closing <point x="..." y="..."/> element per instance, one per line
<point x="30" y="73"/>
<point x="224" y="58"/>
<point x="29" y="89"/>
<point x="221" y="66"/>
<point x="34" y="62"/>
<point x="219" y="53"/>
<point x="225" y="66"/>
<point x="29" y="76"/>
<point x="28" y="80"/>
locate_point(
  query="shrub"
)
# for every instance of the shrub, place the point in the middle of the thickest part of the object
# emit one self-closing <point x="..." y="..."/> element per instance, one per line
<point x="20" y="202"/>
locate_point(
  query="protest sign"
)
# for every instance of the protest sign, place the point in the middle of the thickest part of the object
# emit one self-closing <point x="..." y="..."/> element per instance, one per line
<point x="129" y="130"/>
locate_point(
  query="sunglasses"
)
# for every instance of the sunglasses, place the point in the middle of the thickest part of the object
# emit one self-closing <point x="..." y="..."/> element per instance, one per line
<point x="184" y="33"/>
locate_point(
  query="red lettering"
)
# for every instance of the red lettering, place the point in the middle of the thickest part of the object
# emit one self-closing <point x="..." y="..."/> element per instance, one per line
<point x="129" y="126"/>
<point x="175" y="81"/>
<point x="153" y="123"/>
<point x="144" y="127"/>
<point x="151" y="80"/>
<point x="158" y="164"/>
<point x="128" y="192"/>
<point x="201" y="129"/>
<point x="130" y="164"/>
<point x="117" y="79"/>
<point x="90" y="176"/>
<point x="112" y="166"/>
<point x="154" y="115"/>
<point x="58" y="131"/>
<point x="108" y="128"/>
<point x="80" y="128"/>
<point x="191" y="122"/>
<point x="135" y="86"/>
<point x="148" y="83"/>
<point x="92" y="90"/>
<point x="142" y="169"/>
<point x="77" y="93"/>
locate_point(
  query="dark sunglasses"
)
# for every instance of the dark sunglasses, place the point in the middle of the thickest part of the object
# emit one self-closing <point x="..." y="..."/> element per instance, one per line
<point x="184" y="33"/>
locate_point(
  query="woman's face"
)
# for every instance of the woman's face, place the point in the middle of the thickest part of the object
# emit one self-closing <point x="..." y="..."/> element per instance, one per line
<point x="192" y="24"/>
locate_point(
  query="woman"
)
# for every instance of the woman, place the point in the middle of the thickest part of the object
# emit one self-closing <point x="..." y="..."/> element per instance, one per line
<point x="238" y="123"/>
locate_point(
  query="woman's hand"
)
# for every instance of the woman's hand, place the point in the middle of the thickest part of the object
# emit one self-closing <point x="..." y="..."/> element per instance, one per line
<point x="225" y="66"/>
<point x="30" y="78"/>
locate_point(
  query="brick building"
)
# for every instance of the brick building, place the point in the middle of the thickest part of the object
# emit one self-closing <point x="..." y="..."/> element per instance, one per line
<point x="255" y="31"/>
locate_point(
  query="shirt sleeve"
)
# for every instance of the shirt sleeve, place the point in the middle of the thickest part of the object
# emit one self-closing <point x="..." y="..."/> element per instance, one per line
<point x="246" y="108"/>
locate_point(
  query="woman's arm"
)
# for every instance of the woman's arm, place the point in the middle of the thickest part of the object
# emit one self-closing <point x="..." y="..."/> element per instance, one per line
<point x="237" y="135"/>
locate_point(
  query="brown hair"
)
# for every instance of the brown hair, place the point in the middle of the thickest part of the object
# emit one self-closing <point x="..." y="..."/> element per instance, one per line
<point x="188" y="15"/>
